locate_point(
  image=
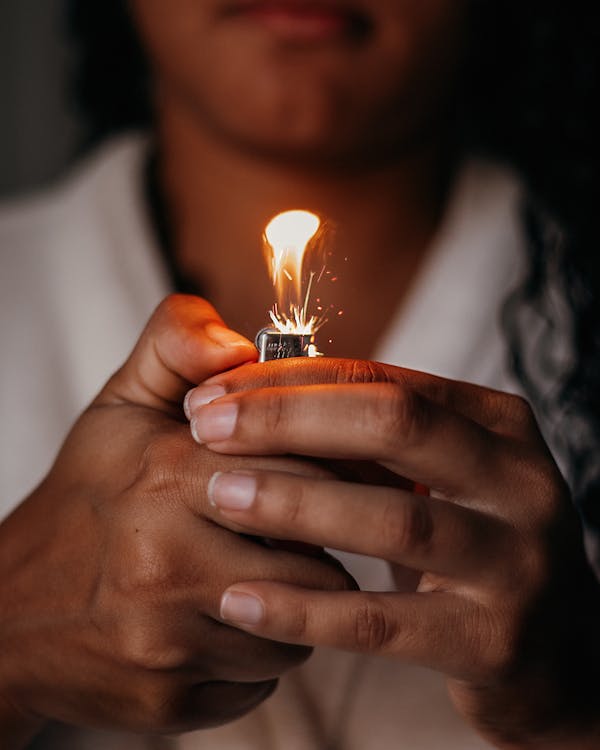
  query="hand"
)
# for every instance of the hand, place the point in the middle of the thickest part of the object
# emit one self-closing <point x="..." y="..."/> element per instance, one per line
<point x="506" y="605"/>
<point x="111" y="573"/>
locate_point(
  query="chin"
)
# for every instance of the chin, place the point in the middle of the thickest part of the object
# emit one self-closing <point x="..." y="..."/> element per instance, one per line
<point x="313" y="137"/>
<point x="295" y="79"/>
<point x="310" y="141"/>
<point x="309" y="113"/>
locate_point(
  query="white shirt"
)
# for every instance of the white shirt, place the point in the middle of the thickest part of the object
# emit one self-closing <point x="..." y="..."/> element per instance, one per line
<point x="81" y="274"/>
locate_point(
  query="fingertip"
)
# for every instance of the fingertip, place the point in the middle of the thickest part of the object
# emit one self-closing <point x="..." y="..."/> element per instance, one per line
<point x="186" y="404"/>
<point x="210" y="489"/>
<point x="232" y="491"/>
<point x="242" y="608"/>
<point x="194" y="431"/>
<point x="200" y="396"/>
<point x="227" y="338"/>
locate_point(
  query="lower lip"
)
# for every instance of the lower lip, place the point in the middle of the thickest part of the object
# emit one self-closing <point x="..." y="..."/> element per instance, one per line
<point x="297" y="22"/>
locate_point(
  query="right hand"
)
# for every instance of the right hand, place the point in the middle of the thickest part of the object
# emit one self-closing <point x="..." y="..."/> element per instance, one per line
<point x="110" y="572"/>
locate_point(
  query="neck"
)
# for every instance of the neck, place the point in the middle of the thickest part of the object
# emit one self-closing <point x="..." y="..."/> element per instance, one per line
<point x="219" y="199"/>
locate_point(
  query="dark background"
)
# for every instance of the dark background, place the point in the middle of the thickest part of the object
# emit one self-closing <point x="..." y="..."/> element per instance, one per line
<point x="38" y="130"/>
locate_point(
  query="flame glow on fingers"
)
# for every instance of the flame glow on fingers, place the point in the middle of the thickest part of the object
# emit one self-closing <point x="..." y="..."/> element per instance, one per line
<point x="287" y="238"/>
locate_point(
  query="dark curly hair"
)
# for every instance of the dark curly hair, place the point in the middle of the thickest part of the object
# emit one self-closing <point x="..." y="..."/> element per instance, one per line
<point x="529" y="99"/>
<point x="532" y="102"/>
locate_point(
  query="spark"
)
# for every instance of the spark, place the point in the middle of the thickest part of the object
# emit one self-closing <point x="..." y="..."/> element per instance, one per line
<point x="287" y="238"/>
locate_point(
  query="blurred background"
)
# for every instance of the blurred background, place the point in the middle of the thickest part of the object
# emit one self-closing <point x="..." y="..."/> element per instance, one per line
<point x="39" y="133"/>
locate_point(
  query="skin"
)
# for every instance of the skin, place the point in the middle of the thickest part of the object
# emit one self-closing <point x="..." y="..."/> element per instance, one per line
<point x="249" y="124"/>
<point x="337" y="101"/>
<point x="505" y="603"/>
<point x="110" y="606"/>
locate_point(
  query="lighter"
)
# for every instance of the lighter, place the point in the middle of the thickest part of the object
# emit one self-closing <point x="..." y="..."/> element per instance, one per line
<point x="286" y="240"/>
<point x="273" y="344"/>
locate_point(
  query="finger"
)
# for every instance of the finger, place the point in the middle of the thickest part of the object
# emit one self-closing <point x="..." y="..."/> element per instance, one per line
<point x="184" y="342"/>
<point x="170" y="558"/>
<point x="235" y="656"/>
<point x="440" y="630"/>
<point x="166" y="706"/>
<point x="220" y="702"/>
<point x="389" y="423"/>
<point x="502" y="412"/>
<point x="189" y="643"/>
<point x="418" y="532"/>
<point x="176" y="564"/>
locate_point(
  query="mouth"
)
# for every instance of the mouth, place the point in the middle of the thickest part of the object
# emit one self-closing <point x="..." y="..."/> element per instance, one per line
<point x="303" y="21"/>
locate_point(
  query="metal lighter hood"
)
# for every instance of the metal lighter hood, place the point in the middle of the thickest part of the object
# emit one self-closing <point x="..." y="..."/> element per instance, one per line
<point x="273" y="344"/>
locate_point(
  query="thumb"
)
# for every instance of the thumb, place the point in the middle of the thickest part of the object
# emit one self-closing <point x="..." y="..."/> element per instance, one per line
<point x="184" y="343"/>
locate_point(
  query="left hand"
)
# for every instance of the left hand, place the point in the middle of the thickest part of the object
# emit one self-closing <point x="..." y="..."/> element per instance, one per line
<point x="506" y="605"/>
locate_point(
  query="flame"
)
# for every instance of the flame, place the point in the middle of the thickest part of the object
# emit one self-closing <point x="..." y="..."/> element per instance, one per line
<point x="287" y="238"/>
<point x="288" y="235"/>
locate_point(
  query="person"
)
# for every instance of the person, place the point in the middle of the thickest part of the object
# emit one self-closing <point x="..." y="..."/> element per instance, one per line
<point x="135" y="600"/>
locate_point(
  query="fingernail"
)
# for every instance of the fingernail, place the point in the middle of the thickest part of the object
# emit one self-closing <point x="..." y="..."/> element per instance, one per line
<point x="186" y="404"/>
<point x="225" y="336"/>
<point x="241" y="608"/>
<point x="214" y="422"/>
<point x="232" y="491"/>
<point x="200" y="396"/>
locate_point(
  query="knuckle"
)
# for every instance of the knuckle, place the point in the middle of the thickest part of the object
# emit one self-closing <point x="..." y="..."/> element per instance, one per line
<point x="162" y="461"/>
<point x="547" y="492"/>
<point x="147" y="648"/>
<point x="298" y="621"/>
<point x="504" y="628"/>
<point x="398" y="415"/>
<point x="519" y="411"/>
<point x="535" y="569"/>
<point x="177" y="321"/>
<point x="480" y="630"/>
<point x="145" y="565"/>
<point x="169" y="309"/>
<point x="372" y="630"/>
<point x="358" y="371"/>
<point x="554" y="497"/>
<point x="148" y="570"/>
<point x="407" y="527"/>
<point x="276" y="415"/>
<point x="290" y="509"/>
<point x="501" y="648"/>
